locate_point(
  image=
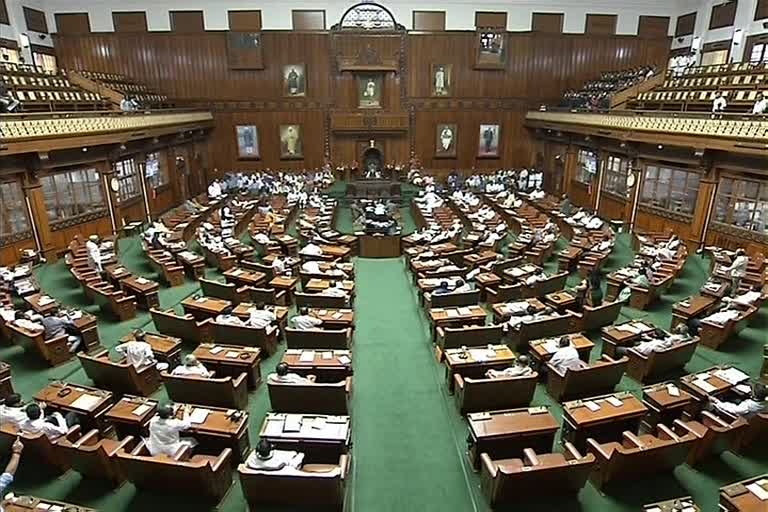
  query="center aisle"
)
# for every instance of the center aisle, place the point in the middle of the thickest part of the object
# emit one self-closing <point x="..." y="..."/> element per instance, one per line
<point x="406" y="454"/>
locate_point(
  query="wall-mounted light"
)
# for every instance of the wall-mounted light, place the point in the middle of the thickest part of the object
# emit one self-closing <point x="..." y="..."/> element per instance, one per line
<point x="660" y="146"/>
<point x="24" y="39"/>
<point x="696" y="43"/>
<point x="85" y="150"/>
<point x="738" y="36"/>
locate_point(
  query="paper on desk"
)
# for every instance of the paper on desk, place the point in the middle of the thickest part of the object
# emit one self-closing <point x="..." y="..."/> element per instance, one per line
<point x="704" y="385"/>
<point x="337" y="315"/>
<point x="478" y="354"/>
<point x="232" y="353"/>
<point x="452" y="313"/>
<point x="731" y="375"/>
<point x="237" y="272"/>
<point x="550" y="346"/>
<point x="465" y="311"/>
<point x="216" y="350"/>
<point x="198" y="416"/>
<point x="515" y="272"/>
<point x="344" y="360"/>
<point x="86" y="402"/>
<point x="292" y="423"/>
<point x="592" y="406"/>
<point x="140" y="410"/>
<point x="326" y="355"/>
<point x="142" y="280"/>
<point x="673" y="390"/>
<point x="200" y="300"/>
<point x="758" y="490"/>
<point x="614" y="401"/>
<point x="322" y="312"/>
<point x="307" y="356"/>
<point x="293" y="352"/>
<point x="627" y="328"/>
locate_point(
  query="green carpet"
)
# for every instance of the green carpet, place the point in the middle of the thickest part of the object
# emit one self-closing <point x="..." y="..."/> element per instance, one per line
<point x="409" y="440"/>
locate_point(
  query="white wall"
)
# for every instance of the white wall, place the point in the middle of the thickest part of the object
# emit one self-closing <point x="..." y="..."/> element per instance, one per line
<point x="19" y="26"/>
<point x="460" y="14"/>
<point x="745" y="13"/>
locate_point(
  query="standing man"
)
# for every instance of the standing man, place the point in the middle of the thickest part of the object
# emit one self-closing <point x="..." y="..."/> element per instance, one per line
<point x="6" y="478"/>
<point x="737" y="270"/>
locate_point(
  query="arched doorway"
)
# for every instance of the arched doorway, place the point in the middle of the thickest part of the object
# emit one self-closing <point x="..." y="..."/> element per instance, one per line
<point x="373" y="161"/>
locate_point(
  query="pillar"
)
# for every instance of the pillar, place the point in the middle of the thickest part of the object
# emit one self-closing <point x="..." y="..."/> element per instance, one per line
<point x="110" y="186"/>
<point x="38" y="216"/>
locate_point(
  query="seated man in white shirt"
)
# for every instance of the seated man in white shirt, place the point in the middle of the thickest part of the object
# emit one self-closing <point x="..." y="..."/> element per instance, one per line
<point x="278" y="266"/>
<point x="724" y="315"/>
<point x="566" y="357"/>
<point x="12" y="411"/>
<point x="191" y="368"/>
<point x="266" y="458"/>
<point x="747" y="408"/>
<point x="53" y="426"/>
<point x="262" y="318"/>
<point x="137" y="352"/>
<point x="284" y="376"/>
<point x="658" y="341"/>
<point x="29" y="321"/>
<point x="311" y="250"/>
<point x="335" y="290"/>
<point x="227" y="318"/>
<point x="746" y="299"/>
<point x="462" y="287"/>
<point x="164" y="432"/>
<point x="311" y="267"/>
<point x="304" y="321"/>
<point x="521" y="368"/>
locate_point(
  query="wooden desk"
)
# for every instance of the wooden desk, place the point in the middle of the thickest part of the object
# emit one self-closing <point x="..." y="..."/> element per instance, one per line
<point x="692" y="307"/>
<point x="623" y="335"/>
<point x="318" y="285"/>
<point x="285" y="283"/>
<point x="664" y="407"/>
<point x="326" y="365"/>
<point x="204" y="307"/>
<point x="88" y="403"/>
<point x="336" y="251"/>
<point x="6" y="387"/>
<point x="231" y="361"/>
<point x="515" y="274"/>
<point x="167" y="349"/>
<point x="677" y="505"/>
<point x="34" y="504"/>
<point x="40" y="304"/>
<point x="604" y="425"/>
<point x="143" y="290"/>
<point x="243" y="311"/>
<point x="429" y="284"/>
<point x="130" y="415"/>
<point x="501" y="311"/>
<point x="542" y="350"/>
<point x="738" y="497"/>
<point x="452" y="317"/>
<point x="320" y="437"/>
<point x="692" y="383"/>
<point x="505" y="434"/>
<point x="116" y="273"/>
<point x="242" y="277"/>
<point x="474" y="362"/>
<point x="334" y="318"/>
<point x="221" y="428"/>
<point x="487" y="279"/>
<point x="481" y="258"/>
<point x="560" y="300"/>
<point x="379" y="246"/>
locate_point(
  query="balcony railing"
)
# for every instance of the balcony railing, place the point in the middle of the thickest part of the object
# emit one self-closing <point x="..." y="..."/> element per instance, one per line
<point x="22" y="127"/>
<point x="729" y="126"/>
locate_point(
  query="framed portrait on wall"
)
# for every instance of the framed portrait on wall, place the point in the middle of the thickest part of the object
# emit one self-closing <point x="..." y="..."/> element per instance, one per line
<point x="442" y="80"/>
<point x="294" y="80"/>
<point x="488" y="145"/>
<point x="291" y="143"/>
<point x="369" y="91"/>
<point x="491" y="49"/>
<point x="247" y="142"/>
<point x="445" y="144"/>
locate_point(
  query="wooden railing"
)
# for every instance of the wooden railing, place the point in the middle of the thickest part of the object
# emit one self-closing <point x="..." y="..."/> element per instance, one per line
<point x="619" y="99"/>
<point x="24" y="127"/>
<point x="743" y="127"/>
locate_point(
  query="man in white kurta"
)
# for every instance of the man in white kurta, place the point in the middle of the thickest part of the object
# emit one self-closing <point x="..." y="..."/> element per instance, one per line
<point x="566" y="357"/>
<point x="164" y="432"/>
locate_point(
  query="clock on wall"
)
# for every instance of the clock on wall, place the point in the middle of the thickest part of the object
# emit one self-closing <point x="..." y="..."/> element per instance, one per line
<point x="114" y="185"/>
<point x="631" y="179"/>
